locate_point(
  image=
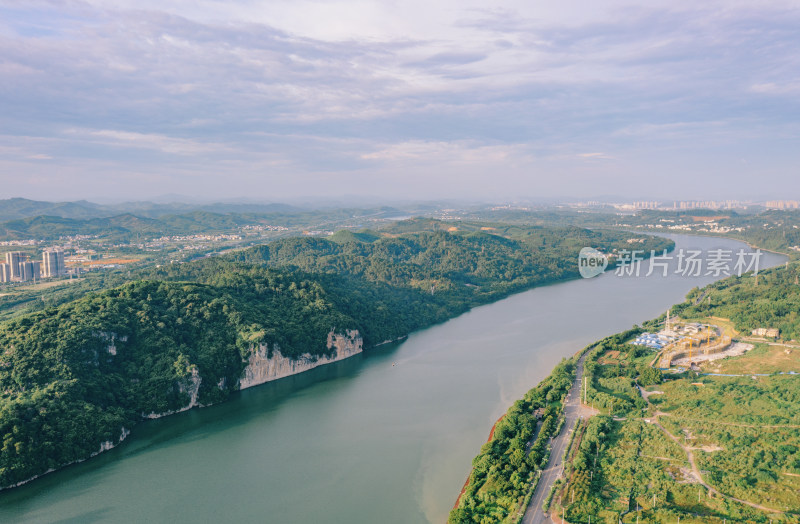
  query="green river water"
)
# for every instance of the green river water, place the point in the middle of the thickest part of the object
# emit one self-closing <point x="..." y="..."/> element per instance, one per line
<point x="384" y="437"/>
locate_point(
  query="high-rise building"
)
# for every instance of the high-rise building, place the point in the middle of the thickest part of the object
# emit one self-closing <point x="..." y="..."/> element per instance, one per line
<point x="53" y="263"/>
<point x="5" y="273"/>
<point x="14" y="259"/>
<point x="29" y="271"/>
<point x="783" y="204"/>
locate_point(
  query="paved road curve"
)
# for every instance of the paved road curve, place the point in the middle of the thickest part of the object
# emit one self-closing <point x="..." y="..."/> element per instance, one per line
<point x="572" y="412"/>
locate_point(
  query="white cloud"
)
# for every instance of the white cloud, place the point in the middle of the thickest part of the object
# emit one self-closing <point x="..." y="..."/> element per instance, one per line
<point x="601" y="156"/>
<point x="313" y="87"/>
<point x="163" y="143"/>
<point x="678" y="130"/>
<point x="771" y="88"/>
<point x="452" y="152"/>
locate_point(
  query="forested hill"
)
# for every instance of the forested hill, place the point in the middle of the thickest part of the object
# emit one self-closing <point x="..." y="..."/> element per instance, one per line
<point x="73" y="376"/>
<point x="771" y="301"/>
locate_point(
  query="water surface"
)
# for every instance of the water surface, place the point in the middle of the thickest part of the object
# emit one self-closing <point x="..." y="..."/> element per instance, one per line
<point x="384" y="437"/>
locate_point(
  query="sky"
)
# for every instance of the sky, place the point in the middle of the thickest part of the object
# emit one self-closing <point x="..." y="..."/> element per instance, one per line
<point x="276" y="100"/>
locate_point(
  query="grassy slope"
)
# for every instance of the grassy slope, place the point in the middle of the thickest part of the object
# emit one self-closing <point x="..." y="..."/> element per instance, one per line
<point x="741" y="431"/>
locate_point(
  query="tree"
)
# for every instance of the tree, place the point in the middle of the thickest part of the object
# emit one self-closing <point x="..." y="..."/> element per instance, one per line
<point x="649" y="375"/>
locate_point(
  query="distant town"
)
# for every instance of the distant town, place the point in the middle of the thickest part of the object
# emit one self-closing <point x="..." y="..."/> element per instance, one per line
<point x="682" y="205"/>
<point x="44" y="246"/>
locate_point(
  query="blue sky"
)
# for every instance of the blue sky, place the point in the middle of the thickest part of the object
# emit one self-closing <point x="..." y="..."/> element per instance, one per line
<point x="286" y="99"/>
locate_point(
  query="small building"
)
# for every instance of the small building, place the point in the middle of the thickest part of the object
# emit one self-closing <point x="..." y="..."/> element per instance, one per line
<point x="650" y="340"/>
<point x="766" y="332"/>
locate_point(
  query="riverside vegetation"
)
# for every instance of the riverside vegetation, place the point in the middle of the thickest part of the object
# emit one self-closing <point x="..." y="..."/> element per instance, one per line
<point x="503" y="472"/>
<point x="777" y="230"/>
<point x="696" y="447"/>
<point x="75" y="377"/>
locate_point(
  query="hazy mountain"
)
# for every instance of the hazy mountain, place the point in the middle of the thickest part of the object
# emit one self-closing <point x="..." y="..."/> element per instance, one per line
<point x="21" y="208"/>
<point x="15" y="208"/>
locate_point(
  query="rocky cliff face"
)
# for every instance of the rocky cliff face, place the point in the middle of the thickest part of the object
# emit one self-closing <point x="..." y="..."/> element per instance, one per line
<point x="108" y="444"/>
<point x="190" y="385"/>
<point x="261" y="368"/>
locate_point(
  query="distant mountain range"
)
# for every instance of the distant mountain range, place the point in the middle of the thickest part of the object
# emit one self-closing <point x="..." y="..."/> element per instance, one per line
<point x="21" y="208"/>
<point x="22" y="219"/>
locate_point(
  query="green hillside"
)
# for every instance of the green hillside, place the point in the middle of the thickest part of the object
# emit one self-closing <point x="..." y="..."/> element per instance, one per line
<point x="713" y="444"/>
<point x="65" y="391"/>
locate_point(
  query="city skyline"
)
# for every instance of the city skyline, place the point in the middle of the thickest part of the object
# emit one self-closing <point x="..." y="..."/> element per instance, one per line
<point x="290" y="100"/>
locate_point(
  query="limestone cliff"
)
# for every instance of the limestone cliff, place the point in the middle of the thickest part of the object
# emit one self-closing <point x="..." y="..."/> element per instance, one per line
<point x="190" y="385"/>
<point x="262" y="368"/>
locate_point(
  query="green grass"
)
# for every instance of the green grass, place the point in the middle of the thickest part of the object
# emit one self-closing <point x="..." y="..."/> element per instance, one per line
<point x="638" y="460"/>
<point x="763" y="358"/>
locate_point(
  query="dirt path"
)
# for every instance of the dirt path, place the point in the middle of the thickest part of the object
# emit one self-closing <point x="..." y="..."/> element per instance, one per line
<point x="690" y="456"/>
<point x="735" y="424"/>
<point x="770" y="343"/>
<point x="699" y="476"/>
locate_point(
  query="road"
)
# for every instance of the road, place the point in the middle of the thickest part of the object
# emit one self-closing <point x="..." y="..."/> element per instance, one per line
<point x="573" y="410"/>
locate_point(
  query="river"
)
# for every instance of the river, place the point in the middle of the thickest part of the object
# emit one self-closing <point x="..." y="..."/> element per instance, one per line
<point x="384" y="437"/>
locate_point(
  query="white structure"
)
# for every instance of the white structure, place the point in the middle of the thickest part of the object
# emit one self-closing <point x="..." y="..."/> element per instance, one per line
<point x="668" y="326"/>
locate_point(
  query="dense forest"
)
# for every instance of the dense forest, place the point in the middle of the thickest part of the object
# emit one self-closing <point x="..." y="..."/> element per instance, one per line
<point x="771" y="301"/>
<point x="551" y="251"/>
<point x="73" y="375"/>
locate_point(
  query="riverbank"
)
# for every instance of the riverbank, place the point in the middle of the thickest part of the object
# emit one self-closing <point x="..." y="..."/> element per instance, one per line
<point x="534" y="514"/>
<point x="328" y="430"/>
<point x="685" y="441"/>
<point x="466" y="482"/>
<point x="505" y="472"/>
<point x="657" y="232"/>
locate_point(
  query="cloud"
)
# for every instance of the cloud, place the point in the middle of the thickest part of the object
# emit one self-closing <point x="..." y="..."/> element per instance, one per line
<point x="602" y="156"/>
<point x="357" y="88"/>
<point x="771" y="88"/>
<point x="166" y="144"/>
<point x="459" y="152"/>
